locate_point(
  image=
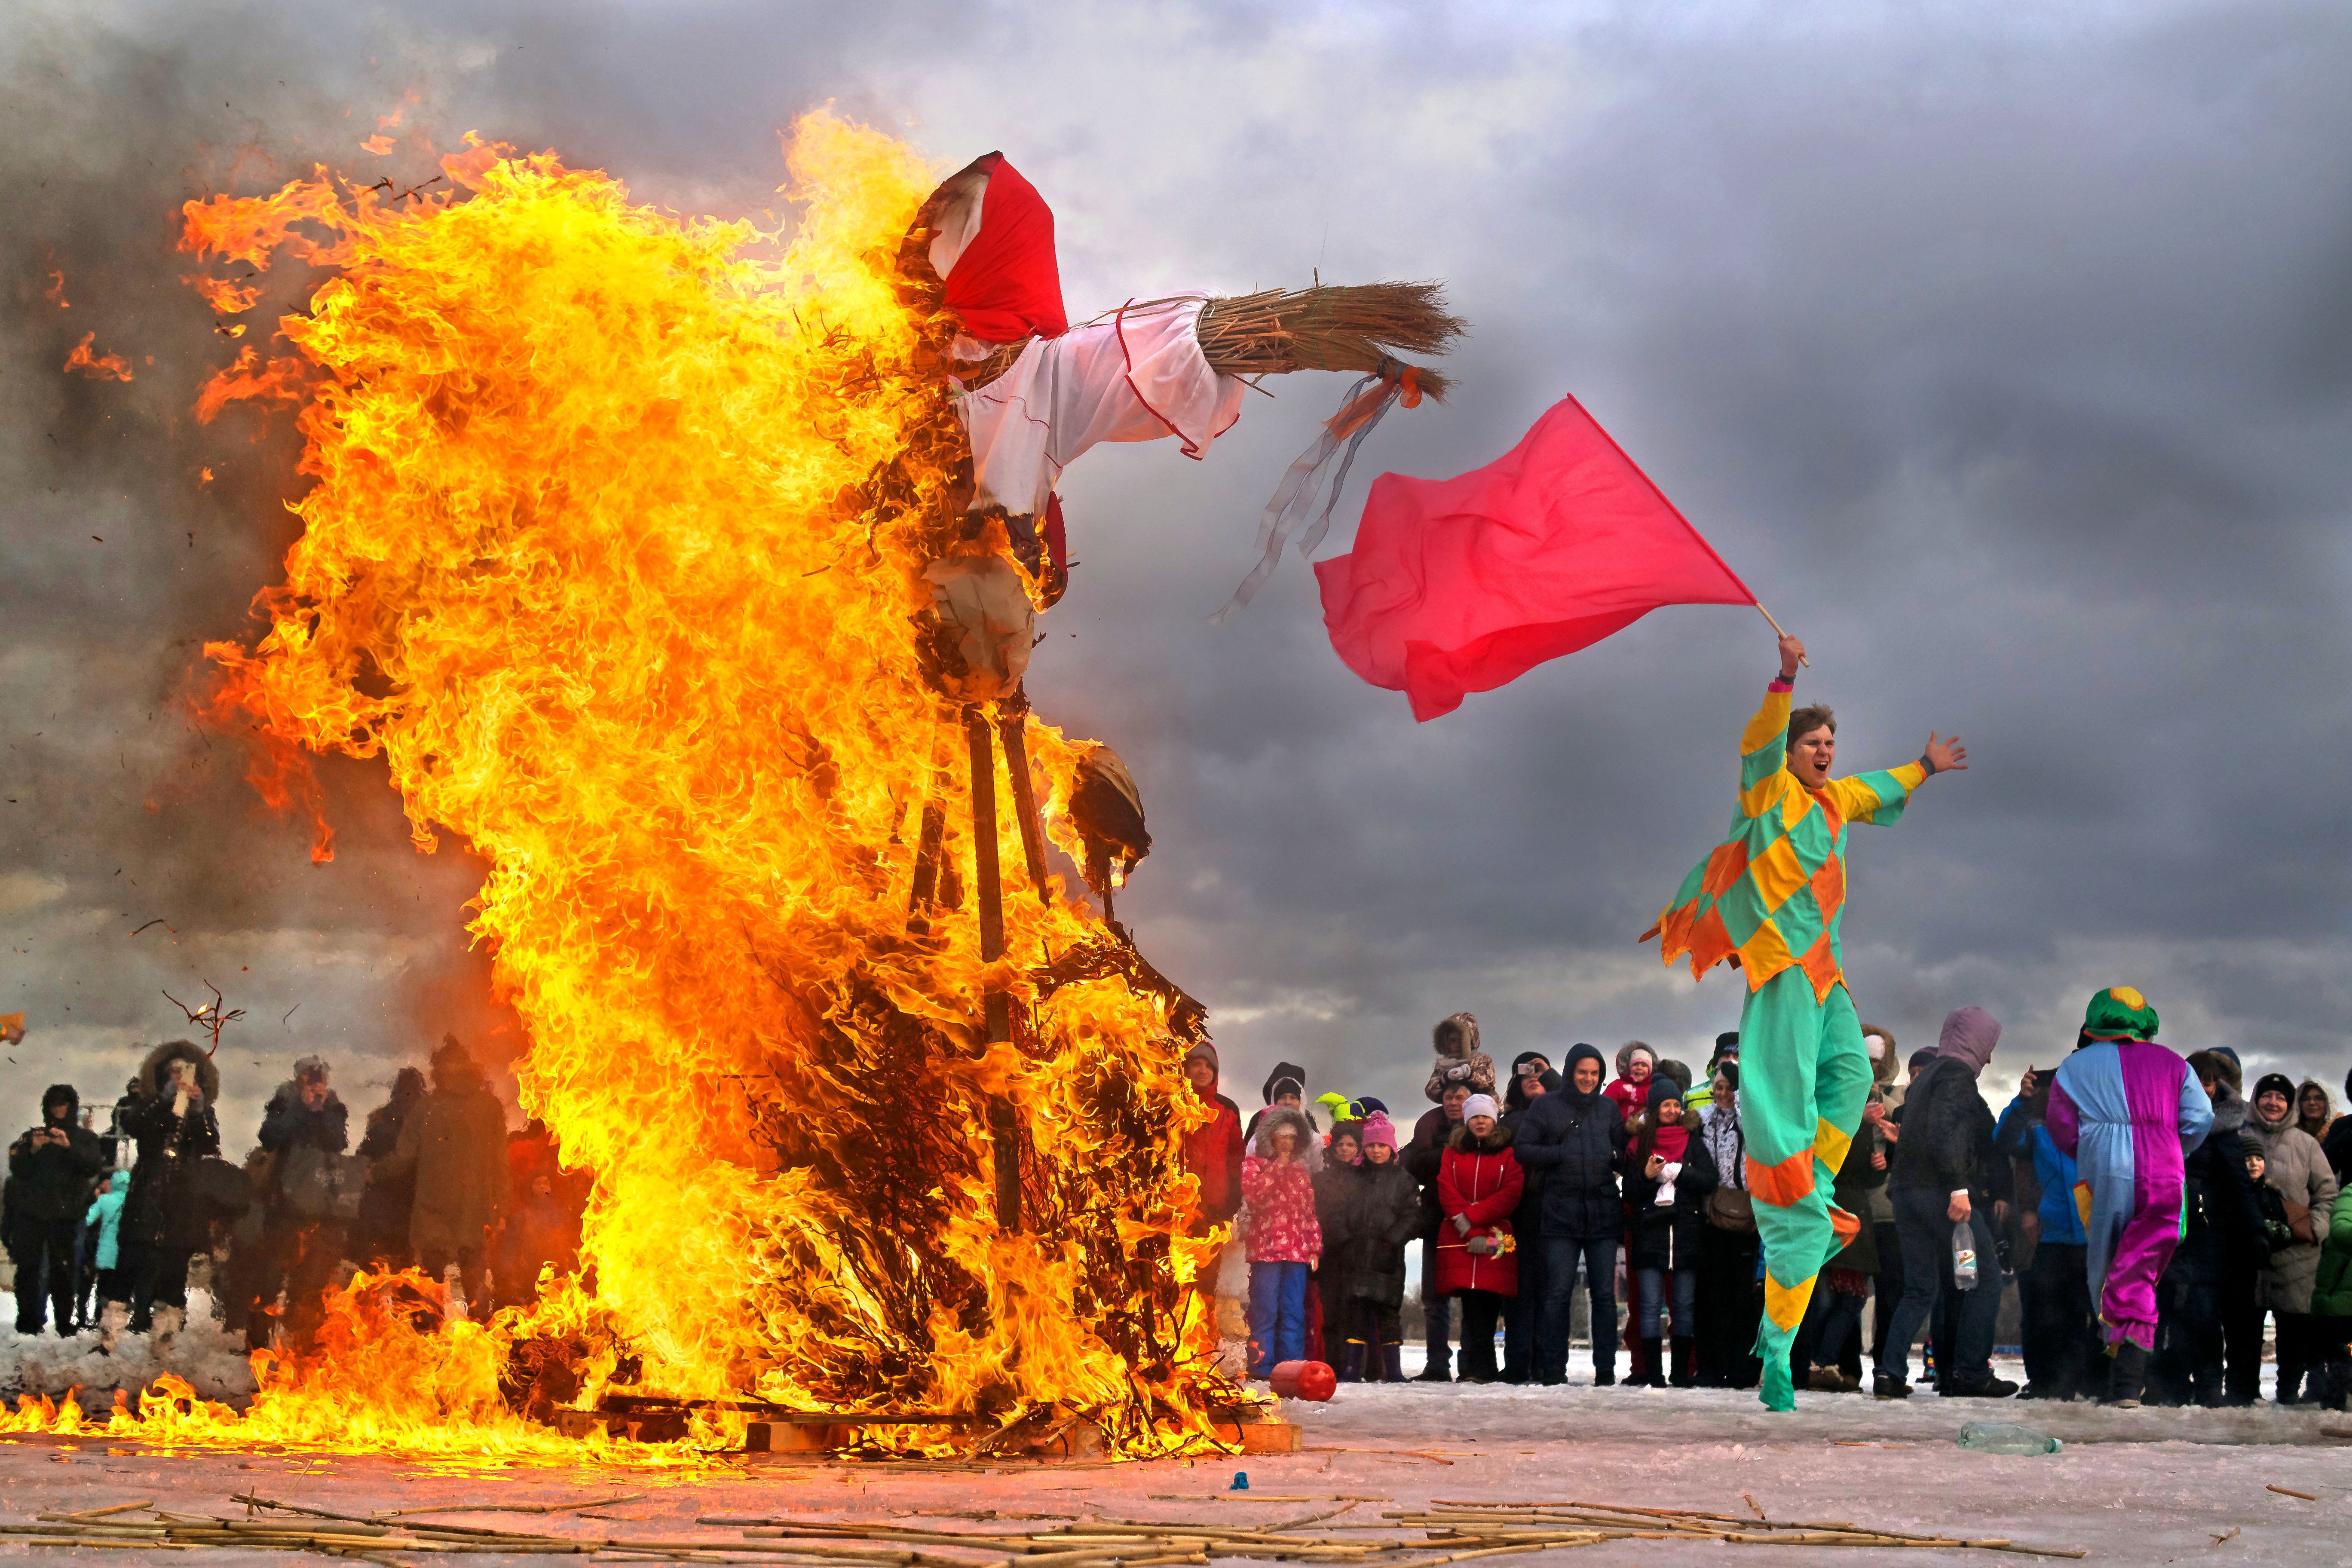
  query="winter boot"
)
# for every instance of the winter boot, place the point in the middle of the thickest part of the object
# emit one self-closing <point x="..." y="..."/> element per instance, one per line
<point x="2336" y="1384"/>
<point x="2290" y="1383"/>
<point x="1889" y="1386"/>
<point x="1351" y="1362"/>
<point x="2127" y="1378"/>
<point x="168" y="1322"/>
<point x="1604" y="1368"/>
<point x="1686" y="1349"/>
<point x="1393" y="1362"/>
<point x="1653" y="1371"/>
<point x="111" y="1317"/>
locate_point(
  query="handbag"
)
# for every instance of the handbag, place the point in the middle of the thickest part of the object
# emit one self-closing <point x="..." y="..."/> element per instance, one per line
<point x="1729" y="1208"/>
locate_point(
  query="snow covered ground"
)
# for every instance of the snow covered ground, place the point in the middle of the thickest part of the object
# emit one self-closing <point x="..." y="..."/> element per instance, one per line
<point x="2129" y="1486"/>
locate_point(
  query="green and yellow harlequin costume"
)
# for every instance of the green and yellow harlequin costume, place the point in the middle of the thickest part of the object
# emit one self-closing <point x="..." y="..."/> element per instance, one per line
<point x="1770" y="897"/>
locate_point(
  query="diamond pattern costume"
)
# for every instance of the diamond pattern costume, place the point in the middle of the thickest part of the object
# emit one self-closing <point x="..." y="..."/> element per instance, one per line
<point x="1770" y="897"/>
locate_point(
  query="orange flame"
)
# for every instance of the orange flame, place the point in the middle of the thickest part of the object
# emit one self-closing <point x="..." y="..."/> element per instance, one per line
<point x="615" y="557"/>
<point x="279" y="381"/>
<point x="56" y="292"/>
<point x="223" y="296"/>
<point x="98" y="367"/>
<point x="380" y="144"/>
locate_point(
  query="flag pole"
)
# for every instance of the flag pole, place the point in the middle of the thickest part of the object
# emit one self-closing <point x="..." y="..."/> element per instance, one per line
<point x="1776" y="626"/>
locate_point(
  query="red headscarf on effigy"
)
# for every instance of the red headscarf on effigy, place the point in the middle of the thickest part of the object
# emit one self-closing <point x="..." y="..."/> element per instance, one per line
<point x="1005" y="284"/>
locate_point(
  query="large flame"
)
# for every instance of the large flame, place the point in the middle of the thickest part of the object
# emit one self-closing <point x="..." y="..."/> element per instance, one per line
<point x="614" y="556"/>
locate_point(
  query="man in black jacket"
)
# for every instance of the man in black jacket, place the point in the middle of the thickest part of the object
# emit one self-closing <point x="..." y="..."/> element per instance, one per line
<point x="50" y="1169"/>
<point x="1423" y="1158"/>
<point x="1575" y="1140"/>
<point x="1946" y="1174"/>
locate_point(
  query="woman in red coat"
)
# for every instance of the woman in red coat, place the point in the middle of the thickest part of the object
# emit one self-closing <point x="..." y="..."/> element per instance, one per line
<point x="1479" y="1184"/>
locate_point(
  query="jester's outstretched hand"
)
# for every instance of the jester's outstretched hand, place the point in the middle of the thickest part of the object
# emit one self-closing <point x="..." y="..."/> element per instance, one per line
<point x="1769" y="898"/>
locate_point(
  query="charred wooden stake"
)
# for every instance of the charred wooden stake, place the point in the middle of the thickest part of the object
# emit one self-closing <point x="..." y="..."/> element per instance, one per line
<point x="1013" y="724"/>
<point x="1003" y="1127"/>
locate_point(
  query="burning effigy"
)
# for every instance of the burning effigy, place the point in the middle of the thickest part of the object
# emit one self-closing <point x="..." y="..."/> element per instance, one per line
<point x="687" y="574"/>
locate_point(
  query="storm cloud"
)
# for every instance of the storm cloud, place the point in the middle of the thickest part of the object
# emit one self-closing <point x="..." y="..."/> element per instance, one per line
<point x="2006" y="351"/>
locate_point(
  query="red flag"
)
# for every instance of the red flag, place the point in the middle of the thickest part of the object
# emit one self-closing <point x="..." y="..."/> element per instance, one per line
<point x="1459" y="585"/>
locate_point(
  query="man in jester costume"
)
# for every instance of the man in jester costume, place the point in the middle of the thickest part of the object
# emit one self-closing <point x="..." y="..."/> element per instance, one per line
<point x="1769" y="900"/>
<point x="2130" y="1112"/>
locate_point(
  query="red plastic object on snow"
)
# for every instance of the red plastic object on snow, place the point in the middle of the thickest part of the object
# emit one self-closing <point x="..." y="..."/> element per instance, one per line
<point x="1303" y="1380"/>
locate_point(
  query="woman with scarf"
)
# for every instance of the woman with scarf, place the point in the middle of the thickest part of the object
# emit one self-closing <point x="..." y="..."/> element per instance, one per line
<point x="1668" y="1174"/>
<point x="2294" y="1167"/>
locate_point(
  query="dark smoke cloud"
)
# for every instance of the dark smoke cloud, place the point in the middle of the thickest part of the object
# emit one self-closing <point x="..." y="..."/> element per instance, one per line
<point x="2008" y="353"/>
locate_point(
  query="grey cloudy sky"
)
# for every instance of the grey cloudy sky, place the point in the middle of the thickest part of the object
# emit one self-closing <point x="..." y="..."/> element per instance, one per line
<point x="2006" y="350"/>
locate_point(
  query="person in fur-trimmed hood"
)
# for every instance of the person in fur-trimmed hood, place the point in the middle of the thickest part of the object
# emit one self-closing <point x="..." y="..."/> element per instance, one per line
<point x="454" y="1143"/>
<point x="1478" y="1184"/>
<point x="171" y="1119"/>
<point x="1668" y="1174"/>
<point x="1286" y="1240"/>
<point x="1459" y="1059"/>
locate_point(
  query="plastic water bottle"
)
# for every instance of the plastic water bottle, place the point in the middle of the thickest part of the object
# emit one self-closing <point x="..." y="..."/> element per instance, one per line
<point x="1964" y="1256"/>
<point x="2006" y="1437"/>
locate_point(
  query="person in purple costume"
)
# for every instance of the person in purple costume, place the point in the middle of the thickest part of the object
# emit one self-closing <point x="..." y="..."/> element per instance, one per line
<point x="2129" y="1112"/>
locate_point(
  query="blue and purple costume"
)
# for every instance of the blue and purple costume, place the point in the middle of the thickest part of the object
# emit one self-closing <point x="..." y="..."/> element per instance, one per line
<point x="2129" y="1112"/>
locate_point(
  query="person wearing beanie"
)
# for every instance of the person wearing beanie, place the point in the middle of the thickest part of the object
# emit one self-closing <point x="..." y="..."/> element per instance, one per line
<point x="1479" y="1184"/>
<point x="1571" y="1140"/>
<point x="1336" y="1109"/>
<point x="2129" y="1112"/>
<point x="50" y="1169"/>
<point x="1773" y="895"/>
<point x="1946" y="1174"/>
<point x="1668" y="1174"/>
<point x="1382" y="1213"/>
<point x="2298" y="1172"/>
<point x="1631" y="1088"/>
<point x="1213" y="1150"/>
<point x="1285" y="1085"/>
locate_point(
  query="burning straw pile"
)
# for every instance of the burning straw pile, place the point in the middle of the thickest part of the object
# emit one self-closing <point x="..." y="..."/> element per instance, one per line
<point x="615" y="561"/>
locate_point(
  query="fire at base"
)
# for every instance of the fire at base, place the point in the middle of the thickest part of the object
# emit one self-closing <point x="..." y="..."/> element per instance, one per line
<point x="645" y="552"/>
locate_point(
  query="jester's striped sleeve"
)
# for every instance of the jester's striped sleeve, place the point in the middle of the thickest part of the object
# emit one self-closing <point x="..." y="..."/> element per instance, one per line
<point x="1877" y="798"/>
<point x="1764" y="747"/>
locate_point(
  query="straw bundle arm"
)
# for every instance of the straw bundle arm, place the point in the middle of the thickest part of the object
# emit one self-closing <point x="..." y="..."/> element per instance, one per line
<point x="1359" y="327"/>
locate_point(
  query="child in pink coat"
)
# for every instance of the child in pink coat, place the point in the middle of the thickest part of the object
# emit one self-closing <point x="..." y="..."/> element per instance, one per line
<point x="1284" y="1239"/>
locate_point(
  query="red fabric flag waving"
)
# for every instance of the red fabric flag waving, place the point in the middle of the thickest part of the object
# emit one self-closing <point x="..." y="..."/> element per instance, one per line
<point x="1459" y="585"/>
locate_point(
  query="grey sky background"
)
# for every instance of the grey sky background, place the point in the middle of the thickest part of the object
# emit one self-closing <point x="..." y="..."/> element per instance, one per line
<point x="2006" y="351"/>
